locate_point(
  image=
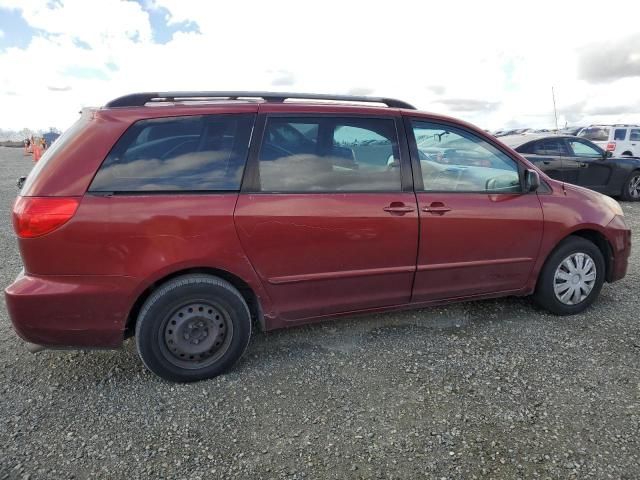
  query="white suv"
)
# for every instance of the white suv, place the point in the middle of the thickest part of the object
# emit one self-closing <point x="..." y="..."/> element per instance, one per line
<point x="617" y="139"/>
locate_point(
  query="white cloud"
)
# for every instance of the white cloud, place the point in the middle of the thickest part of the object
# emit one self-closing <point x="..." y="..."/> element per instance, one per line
<point x="1" y="33"/>
<point x="487" y="62"/>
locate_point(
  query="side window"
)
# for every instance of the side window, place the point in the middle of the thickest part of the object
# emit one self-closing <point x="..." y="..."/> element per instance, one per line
<point x="283" y="137"/>
<point x="619" y="133"/>
<point x="581" y="149"/>
<point x="634" y="135"/>
<point x="454" y="160"/>
<point x="329" y="154"/>
<point x="526" y="148"/>
<point x="550" y="146"/>
<point x="198" y="153"/>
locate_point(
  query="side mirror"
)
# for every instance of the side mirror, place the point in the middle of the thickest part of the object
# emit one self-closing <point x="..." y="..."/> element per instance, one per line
<point x="608" y="154"/>
<point x="20" y="182"/>
<point x="531" y="181"/>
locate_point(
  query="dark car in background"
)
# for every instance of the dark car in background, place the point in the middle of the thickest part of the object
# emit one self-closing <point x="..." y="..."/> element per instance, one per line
<point x="581" y="162"/>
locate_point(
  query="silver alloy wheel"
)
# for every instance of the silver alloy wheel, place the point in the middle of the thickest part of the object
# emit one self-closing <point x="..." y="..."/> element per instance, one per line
<point x="574" y="279"/>
<point x="634" y="187"/>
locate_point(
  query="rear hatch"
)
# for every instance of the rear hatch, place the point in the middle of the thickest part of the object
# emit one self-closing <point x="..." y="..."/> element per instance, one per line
<point x="26" y="184"/>
<point x="53" y="191"/>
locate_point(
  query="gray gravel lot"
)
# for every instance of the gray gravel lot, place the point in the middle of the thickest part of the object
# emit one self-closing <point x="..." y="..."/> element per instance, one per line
<point x="493" y="389"/>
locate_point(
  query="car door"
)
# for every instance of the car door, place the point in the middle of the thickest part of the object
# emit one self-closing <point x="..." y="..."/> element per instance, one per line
<point x="547" y="155"/>
<point x="634" y="141"/>
<point x="327" y="214"/>
<point x="479" y="232"/>
<point x="594" y="169"/>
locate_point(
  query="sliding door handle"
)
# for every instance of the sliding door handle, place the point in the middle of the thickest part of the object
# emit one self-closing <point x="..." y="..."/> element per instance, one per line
<point x="398" y="207"/>
<point x="436" y="208"/>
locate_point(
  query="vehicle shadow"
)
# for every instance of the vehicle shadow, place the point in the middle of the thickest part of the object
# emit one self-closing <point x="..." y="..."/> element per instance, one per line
<point x="346" y="336"/>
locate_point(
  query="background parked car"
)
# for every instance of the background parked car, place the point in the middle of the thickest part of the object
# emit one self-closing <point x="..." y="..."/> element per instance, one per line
<point x="570" y="130"/>
<point x="581" y="162"/>
<point x="618" y="139"/>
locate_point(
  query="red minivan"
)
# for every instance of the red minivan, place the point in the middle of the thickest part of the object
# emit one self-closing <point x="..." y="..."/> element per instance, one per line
<point x="184" y="218"/>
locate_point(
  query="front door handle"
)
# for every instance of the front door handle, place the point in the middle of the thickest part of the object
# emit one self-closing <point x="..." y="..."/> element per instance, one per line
<point x="547" y="162"/>
<point x="583" y="165"/>
<point x="399" y="208"/>
<point x="436" y="208"/>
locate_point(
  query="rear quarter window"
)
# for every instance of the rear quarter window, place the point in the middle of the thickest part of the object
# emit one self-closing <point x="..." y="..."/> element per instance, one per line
<point x="595" y="134"/>
<point x="195" y="153"/>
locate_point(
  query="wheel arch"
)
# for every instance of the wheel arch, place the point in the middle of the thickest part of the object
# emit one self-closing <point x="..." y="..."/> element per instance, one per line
<point x="595" y="237"/>
<point x="252" y="299"/>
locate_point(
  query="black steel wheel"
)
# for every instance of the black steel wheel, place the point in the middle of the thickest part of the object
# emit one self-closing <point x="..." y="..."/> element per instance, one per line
<point x="192" y="328"/>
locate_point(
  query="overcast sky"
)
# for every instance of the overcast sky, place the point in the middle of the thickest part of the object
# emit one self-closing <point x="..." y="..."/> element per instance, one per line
<point x="492" y="63"/>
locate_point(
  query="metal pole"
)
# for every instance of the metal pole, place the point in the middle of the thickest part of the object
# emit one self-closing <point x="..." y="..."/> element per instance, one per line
<point x="555" y="112"/>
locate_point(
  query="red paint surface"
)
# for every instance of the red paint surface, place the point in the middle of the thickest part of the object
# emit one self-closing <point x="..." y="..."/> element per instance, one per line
<point x="318" y="254"/>
<point x="484" y="243"/>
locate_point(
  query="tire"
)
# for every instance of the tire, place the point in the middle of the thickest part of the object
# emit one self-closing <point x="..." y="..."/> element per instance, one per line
<point x="627" y="154"/>
<point x="631" y="187"/>
<point x="193" y="328"/>
<point x="545" y="294"/>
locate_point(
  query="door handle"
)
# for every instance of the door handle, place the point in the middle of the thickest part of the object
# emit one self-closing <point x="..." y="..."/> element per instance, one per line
<point x="547" y="162"/>
<point x="436" y="208"/>
<point x="399" y="208"/>
<point x="584" y="165"/>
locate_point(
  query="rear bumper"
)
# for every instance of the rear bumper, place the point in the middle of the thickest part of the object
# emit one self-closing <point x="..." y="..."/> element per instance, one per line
<point x="69" y="311"/>
<point x="620" y="240"/>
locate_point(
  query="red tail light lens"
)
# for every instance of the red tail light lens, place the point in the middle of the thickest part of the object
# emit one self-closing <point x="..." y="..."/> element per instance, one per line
<point x="37" y="216"/>
<point x="611" y="146"/>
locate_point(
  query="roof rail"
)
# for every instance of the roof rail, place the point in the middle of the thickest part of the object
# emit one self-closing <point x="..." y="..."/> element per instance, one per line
<point x="141" y="99"/>
<point x="614" y="125"/>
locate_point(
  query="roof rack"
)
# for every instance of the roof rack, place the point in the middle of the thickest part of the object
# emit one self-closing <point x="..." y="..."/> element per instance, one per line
<point x="141" y="99"/>
<point x="614" y="125"/>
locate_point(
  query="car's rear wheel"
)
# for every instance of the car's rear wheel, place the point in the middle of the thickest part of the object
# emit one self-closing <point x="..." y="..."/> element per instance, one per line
<point x="631" y="188"/>
<point x="571" y="278"/>
<point x="192" y="328"/>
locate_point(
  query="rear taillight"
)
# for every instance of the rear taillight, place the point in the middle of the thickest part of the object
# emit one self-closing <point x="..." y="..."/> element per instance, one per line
<point x="611" y="146"/>
<point x="36" y="216"/>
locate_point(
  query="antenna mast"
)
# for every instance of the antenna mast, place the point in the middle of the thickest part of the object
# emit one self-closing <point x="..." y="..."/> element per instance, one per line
<point x="555" y="112"/>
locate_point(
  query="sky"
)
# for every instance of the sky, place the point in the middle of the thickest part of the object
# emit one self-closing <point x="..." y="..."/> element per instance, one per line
<point x="488" y="62"/>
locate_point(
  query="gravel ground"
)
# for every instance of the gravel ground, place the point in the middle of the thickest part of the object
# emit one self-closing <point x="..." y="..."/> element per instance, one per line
<point x="493" y="389"/>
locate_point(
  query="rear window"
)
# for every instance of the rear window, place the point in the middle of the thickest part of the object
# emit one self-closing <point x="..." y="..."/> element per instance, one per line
<point x="195" y="153"/>
<point x="595" y="134"/>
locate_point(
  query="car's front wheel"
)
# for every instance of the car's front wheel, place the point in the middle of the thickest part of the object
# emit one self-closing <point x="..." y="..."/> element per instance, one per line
<point x="192" y="328"/>
<point x="571" y="278"/>
<point x="631" y="188"/>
